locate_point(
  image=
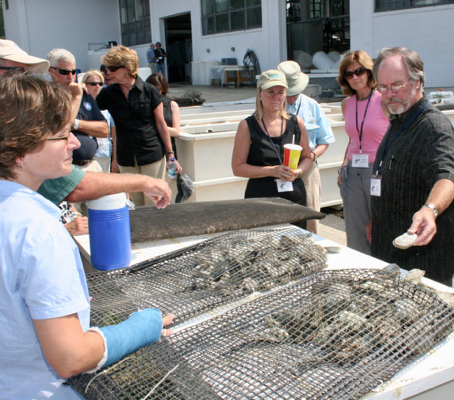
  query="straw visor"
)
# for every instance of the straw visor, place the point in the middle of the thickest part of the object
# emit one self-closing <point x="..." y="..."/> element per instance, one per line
<point x="271" y="78"/>
<point x="12" y="52"/>
<point x="297" y="80"/>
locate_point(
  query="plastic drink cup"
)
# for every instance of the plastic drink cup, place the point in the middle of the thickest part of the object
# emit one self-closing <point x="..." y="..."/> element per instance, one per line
<point x="292" y="154"/>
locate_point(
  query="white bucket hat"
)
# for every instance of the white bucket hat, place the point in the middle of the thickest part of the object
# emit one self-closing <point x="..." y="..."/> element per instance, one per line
<point x="297" y="81"/>
<point x="12" y="52"/>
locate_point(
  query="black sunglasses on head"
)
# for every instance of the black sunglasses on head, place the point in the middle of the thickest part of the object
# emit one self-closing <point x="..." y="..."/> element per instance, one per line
<point x="20" y="69"/>
<point x="113" y="68"/>
<point x="65" y="71"/>
<point x="358" y="72"/>
<point x="95" y="83"/>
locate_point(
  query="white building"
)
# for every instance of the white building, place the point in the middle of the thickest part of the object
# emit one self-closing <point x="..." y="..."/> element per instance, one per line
<point x="197" y="33"/>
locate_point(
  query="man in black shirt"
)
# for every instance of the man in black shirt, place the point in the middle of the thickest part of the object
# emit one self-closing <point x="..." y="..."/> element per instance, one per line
<point x="87" y="121"/>
<point x="413" y="186"/>
<point x="161" y="55"/>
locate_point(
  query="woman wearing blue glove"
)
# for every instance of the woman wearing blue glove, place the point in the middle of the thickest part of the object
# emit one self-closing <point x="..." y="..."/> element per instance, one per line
<point x="44" y="304"/>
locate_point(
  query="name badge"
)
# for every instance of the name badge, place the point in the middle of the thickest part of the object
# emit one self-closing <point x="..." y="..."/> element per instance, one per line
<point x="360" y="160"/>
<point x="375" y="185"/>
<point x="284" y="186"/>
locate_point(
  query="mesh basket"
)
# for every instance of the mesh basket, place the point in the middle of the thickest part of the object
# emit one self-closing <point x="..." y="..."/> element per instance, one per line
<point x="212" y="273"/>
<point x="332" y="335"/>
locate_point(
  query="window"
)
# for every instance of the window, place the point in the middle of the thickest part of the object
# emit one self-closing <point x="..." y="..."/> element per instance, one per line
<point x="389" y="5"/>
<point x="135" y="22"/>
<point x="220" y="16"/>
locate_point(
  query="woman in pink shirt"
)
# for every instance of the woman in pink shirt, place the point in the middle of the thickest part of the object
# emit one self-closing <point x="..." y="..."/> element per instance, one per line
<point x="366" y="122"/>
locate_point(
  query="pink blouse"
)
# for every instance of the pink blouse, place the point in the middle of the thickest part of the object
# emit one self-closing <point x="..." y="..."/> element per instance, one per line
<point x="374" y="128"/>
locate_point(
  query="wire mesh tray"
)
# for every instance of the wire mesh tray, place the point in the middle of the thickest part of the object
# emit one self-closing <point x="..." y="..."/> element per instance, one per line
<point x="332" y="335"/>
<point x="212" y="273"/>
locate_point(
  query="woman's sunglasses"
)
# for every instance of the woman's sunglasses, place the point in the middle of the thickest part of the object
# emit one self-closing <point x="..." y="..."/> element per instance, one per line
<point x="113" y="68"/>
<point x="95" y="83"/>
<point x="65" y="71"/>
<point x="358" y="72"/>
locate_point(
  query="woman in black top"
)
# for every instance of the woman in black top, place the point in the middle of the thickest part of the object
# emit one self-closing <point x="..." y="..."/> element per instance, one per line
<point x="258" y="152"/>
<point x="142" y="139"/>
<point x="171" y="108"/>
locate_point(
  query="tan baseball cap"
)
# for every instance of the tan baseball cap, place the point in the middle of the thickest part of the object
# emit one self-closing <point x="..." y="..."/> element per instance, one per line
<point x="297" y="80"/>
<point x="12" y="52"/>
<point x="271" y="78"/>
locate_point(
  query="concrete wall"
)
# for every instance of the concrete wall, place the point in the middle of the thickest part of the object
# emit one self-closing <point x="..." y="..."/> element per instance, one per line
<point x="427" y="30"/>
<point x="38" y="26"/>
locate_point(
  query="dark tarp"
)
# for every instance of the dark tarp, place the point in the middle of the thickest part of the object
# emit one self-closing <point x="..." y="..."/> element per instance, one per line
<point x="200" y="218"/>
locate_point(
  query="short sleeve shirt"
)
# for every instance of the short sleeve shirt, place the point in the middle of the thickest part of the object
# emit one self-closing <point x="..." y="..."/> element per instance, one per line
<point x="41" y="277"/>
<point x="137" y="135"/>
<point x="88" y="111"/>
<point x="56" y="190"/>
<point x="317" y="126"/>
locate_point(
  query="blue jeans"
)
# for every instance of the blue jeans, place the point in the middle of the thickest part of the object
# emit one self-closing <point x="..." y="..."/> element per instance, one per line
<point x="161" y="68"/>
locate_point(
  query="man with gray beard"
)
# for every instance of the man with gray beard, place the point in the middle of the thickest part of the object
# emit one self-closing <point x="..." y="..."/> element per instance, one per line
<point x="413" y="186"/>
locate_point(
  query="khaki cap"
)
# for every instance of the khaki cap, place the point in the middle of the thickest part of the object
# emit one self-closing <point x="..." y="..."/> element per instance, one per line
<point x="271" y="78"/>
<point x="12" y="52"/>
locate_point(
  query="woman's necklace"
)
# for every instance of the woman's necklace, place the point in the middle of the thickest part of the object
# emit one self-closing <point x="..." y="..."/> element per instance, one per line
<point x="362" y="99"/>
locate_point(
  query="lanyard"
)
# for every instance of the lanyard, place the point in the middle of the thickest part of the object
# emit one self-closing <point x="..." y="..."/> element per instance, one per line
<point x="364" y="118"/>
<point x="271" y="141"/>
<point x="398" y="133"/>
<point x="297" y="111"/>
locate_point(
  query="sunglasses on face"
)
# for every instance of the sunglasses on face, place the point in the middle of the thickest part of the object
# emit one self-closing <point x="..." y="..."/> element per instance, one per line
<point x="20" y="69"/>
<point x="358" y="72"/>
<point x="113" y="68"/>
<point x="65" y="71"/>
<point x="95" y="83"/>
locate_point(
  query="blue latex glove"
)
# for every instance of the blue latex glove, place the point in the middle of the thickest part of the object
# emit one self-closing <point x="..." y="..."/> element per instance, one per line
<point x="141" y="328"/>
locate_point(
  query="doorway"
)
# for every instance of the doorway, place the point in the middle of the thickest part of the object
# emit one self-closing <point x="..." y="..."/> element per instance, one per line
<point x="317" y="25"/>
<point x="179" y="47"/>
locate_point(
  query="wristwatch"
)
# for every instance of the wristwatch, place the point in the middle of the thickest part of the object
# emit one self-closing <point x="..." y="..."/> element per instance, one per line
<point x="76" y="125"/>
<point x="431" y="206"/>
<point x="315" y="156"/>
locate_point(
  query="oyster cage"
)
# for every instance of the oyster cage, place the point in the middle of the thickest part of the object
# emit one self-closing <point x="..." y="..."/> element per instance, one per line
<point x="331" y="335"/>
<point x="199" y="278"/>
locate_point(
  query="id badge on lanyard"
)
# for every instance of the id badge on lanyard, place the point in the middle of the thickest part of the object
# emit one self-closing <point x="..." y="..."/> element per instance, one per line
<point x="375" y="185"/>
<point x="360" y="160"/>
<point x="284" y="186"/>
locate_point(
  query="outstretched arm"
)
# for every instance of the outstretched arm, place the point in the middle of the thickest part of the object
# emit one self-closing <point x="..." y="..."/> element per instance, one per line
<point x="424" y="225"/>
<point x="97" y="184"/>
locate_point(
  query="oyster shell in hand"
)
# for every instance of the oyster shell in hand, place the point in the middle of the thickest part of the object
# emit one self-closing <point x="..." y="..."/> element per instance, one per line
<point x="405" y="241"/>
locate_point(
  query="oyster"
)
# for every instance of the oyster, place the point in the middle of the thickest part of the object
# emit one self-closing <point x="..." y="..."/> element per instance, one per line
<point x="405" y="240"/>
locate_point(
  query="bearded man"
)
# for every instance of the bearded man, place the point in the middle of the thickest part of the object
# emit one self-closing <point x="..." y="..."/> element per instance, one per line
<point x="413" y="187"/>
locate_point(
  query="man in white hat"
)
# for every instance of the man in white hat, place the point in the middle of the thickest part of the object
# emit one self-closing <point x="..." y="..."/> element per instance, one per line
<point x="13" y="58"/>
<point x="318" y="129"/>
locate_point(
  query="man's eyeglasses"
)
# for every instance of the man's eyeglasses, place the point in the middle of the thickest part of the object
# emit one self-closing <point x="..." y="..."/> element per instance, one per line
<point x="270" y="94"/>
<point x="358" y="72"/>
<point x="95" y="83"/>
<point x="383" y="89"/>
<point x="20" y="69"/>
<point x="65" y="71"/>
<point x="113" y="68"/>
